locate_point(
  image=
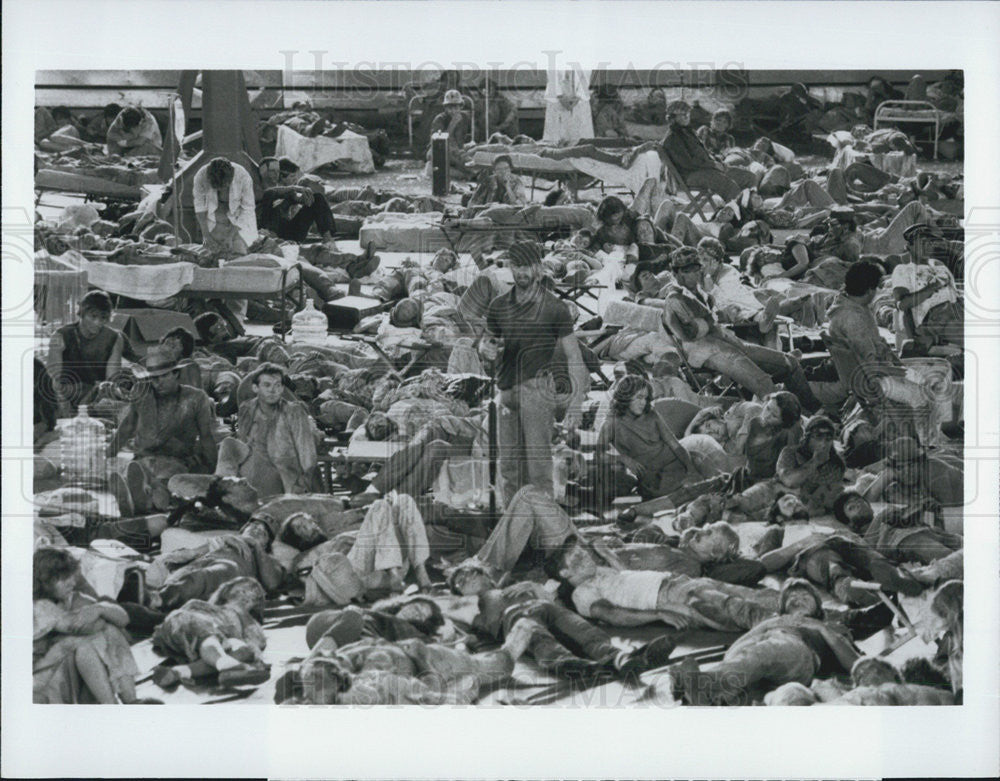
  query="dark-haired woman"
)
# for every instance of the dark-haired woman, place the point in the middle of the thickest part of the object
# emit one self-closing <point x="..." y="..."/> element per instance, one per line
<point x="647" y="446"/>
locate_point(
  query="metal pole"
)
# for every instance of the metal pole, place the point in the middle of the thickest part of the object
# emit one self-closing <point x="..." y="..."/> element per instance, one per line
<point x="175" y="196"/>
<point x="486" y="113"/>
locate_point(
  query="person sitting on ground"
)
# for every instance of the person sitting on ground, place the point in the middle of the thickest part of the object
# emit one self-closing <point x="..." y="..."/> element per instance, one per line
<point x="134" y="132"/>
<point x="925" y="291"/>
<point x="635" y="597"/>
<point x="812" y="468"/>
<point x="178" y="343"/>
<point x="645" y="443"/>
<point x="80" y="652"/>
<point x="198" y="572"/>
<point x="96" y="128"/>
<point x="85" y="353"/>
<point x="689" y="315"/>
<point x="609" y="113"/>
<point x="715" y="136"/>
<point x="764" y="432"/>
<point x="275" y="444"/>
<point x="221" y="635"/>
<point x="224" y="207"/>
<point x="290" y="211"/>
<point x="945" y="625"/>
<point x="615" y="227"/>
<point x="172" y="432"/>
<point x="912" y="476"/>
<point x="499" y="185"/>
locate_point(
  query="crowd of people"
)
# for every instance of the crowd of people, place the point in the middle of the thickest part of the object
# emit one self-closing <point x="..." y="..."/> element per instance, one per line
<point x="793" y="358"/>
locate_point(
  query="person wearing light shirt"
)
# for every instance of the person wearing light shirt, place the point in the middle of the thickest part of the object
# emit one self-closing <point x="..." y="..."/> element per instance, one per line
<point x="224" y="207"/>
<point x="926" y="289"/>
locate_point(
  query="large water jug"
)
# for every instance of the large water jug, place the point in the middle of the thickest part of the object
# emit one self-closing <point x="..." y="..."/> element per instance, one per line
<point x="83" y="445"/>
<point x="310" y="325"/>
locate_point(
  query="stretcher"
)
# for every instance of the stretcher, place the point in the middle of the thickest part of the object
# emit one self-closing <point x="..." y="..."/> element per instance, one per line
<point x="53" y="180"/>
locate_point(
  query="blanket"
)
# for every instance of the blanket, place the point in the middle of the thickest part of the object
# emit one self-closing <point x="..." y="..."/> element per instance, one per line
<point x="349" y="151"/>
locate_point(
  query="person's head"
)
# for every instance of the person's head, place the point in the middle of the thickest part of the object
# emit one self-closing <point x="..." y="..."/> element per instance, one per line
<point x="288" y="170"/>
<point x="787" y="507"/>
<point x="301" y="531"/>
<point x="657" y="99"/>
<point x="444" y="260"/>
<point x="945" y="611"/>
<point x="270" y="171"/>
<point x="644" y="279"/>
<point x="713" y="543"/>
<point x="862" y="280"/>
<point x="131" y="118"/>
<point x="111" y="111"/>
<point x="220" y="173"/>
<point x="920" y="241"/>
<point x="722" y="121"/>
<point x="632" y="395"/>
<point x="453" y="101"/>
<point x="781" y="410"/>
<point x="380" y="427"/>
<point x="470" y="578"/>
<point x="162" y="371"/>
<point x="525" y="263"/>
<point x="212" y="328"/>
<point x="611" y="210"/>
<point x="260" y="529"/>
<point x="679" y="113"/>
<point x="686" y="265"/>
<point x="800" y="598"/>
<point x="710" y="421"/>
<point x="819" y="434"/>
<point x="268" y="381"/>
<point x="246" y="594"/>
<point x="54" y="574"/>
<point x="853" y="510"/>
<point x="422" y="612"/>
<point x="582" y="238"/>
<point x="843" y="220"/>
<point x="907" y="460"/>
<point x="874" y="671"/>
<point x="876" y="84"/>
<point x="178" y="342"/>
<point x="573" y="562"/>
<point x="95" y="312"/>
<point x="503" y="166"/>
<point x="61" y="114"/>
<point x="406" y="313"/>
<point x="711" y="253"/>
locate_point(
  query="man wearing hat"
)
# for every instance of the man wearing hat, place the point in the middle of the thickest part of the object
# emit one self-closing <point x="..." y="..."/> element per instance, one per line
<point x="455" y="123"/>
<point x="171" y="429"/>
<point x="689" y="315"/>
<point x="925" y="290"/>
<point x="812" y="467"/>
<point x="531" y="323"/>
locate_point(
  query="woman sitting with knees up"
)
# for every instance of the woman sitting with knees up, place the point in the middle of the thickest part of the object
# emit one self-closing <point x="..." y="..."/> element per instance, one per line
<point x="645" y="443"/>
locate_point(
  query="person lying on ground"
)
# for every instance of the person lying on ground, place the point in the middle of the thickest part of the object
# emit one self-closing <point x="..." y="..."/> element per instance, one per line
<point x="634" y="597"/>
<point x="219" y="636"/>
<point x="198" y="572"/>
<point x="80" y="652"/>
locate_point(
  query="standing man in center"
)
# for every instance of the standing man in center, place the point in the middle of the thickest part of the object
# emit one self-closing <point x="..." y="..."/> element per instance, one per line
<point x="530" y="323"/>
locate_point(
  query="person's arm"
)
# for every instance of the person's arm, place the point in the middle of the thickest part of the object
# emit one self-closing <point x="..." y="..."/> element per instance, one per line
<point x="801" y="256"/>
<point x="676" y="447"/>
<point x="124" y="432"/>
<point x="905" y="299"/>
<point x="580" y="378"/>
<point x="305" y="442"/>
<point x="792" y="476"/>
<point x="114" y="364"/>
<point x="205" y="421"/>
<point x="54" y="367"/>
<point x="113" y="613"/>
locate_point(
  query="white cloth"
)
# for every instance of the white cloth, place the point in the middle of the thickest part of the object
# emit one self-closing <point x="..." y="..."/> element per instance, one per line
<point x="630" y="589"/>
<point x="147" y="283"/>
<point x="733" y="297"/>
<point x="242" y="206"/>
<point x="563" y="125"/>
<point x="914" y="277"/>
<point x="349" y="150"/>
<point x="645" y="166"/>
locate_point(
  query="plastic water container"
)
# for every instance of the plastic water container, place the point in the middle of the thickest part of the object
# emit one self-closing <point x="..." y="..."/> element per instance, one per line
<point x="82" y="446"/>
<point x="309" y="326"/>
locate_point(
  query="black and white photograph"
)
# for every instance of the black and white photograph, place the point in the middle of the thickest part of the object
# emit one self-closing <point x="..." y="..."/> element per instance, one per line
<point x="523" y="387"/>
